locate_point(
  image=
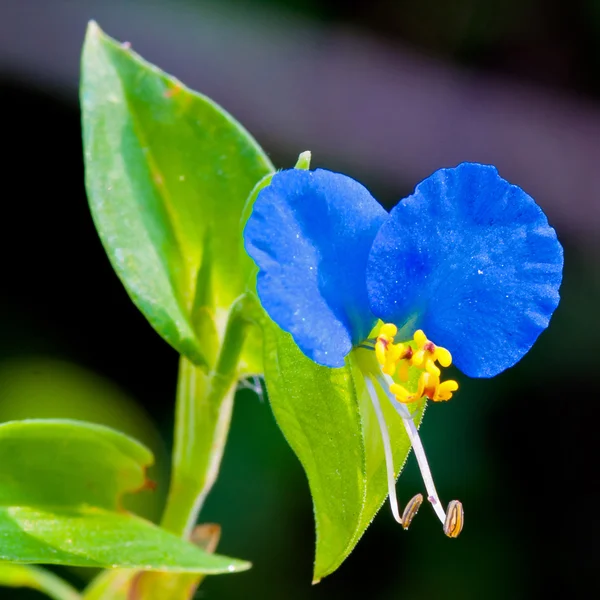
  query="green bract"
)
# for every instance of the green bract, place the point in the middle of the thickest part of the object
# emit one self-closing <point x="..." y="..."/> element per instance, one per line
<point x="328" y="420"/>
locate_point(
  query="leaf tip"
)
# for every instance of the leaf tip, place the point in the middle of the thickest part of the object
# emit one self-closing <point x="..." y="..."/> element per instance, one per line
<point x="316" y="580"/>
<point x="93" y="29"/>
<point x="304" y="160"/>
<point x="239" y="566"/>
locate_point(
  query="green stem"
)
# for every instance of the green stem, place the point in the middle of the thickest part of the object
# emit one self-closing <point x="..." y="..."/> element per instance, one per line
<point x="202" y="419"/>
<point x="112" y="584"/>
<point x="50" y="584"/>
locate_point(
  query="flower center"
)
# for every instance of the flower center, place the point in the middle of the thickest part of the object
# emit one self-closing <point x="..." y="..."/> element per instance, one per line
<point x="397" y="359"/>
<point x="400" y="360"/>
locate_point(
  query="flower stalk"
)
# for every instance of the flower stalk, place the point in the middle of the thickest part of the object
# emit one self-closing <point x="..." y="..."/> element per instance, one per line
<point x="203" y="415"/>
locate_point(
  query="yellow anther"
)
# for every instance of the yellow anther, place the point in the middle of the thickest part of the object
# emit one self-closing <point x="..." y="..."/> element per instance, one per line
<point x="443" y="356"/>
<point x="445" y="390"/>
<point x="388" y="354"/>
<point x="380" y="350"/>
<point x="428" y="353"/>
<point x="402" y="394"/>
<point x="385" y="342"/>
<point x="420" y="338"/>
<point x="396" y="352"/>
<point x="403" y="370"/>
<point x="418" y="357"/>
<point x="431" y="368"/>
<point x="388" y="329"/>
<point x="429" y="386"/>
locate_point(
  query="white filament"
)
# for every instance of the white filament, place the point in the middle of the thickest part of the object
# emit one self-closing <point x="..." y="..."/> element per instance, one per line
<point x="413" y="435"/>
<point x="387" y="448"/>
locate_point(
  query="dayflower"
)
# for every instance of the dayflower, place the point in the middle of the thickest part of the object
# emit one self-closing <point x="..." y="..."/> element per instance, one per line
<point x="466" y="269"/>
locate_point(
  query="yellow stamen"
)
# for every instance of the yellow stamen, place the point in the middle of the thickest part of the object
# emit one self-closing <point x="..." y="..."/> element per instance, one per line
<point x="431" y="367"/>
<point x="418" y="357"/>
<point x="443" y="356"/>
<point x="403" y="368"/>
<point x="388" y="354"/>
<point x="381" y="348"/>
<point x="422" y="354"/>
<point x="402" y="394"/>
<point x="396" y="359"/>
<point x="445" y="389"/>
<point x="388" y="329"/>
<point x="420" y="338"/>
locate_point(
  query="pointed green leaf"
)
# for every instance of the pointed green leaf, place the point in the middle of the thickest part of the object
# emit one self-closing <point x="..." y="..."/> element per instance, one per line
<point x="167" y="175"/>
<point x="317" y="410"/>
<point x="61" y="486"/>
<point x="328" y="419"/>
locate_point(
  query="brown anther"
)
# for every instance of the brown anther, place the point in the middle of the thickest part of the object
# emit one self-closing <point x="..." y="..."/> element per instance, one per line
<point x="429" y="347"/>
<point x="407" y="353"/>
<point x="411" y="510"/>
<point x="455" y="519"/>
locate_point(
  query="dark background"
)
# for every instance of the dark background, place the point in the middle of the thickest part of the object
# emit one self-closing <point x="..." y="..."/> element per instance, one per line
<point x="387" y="91"/>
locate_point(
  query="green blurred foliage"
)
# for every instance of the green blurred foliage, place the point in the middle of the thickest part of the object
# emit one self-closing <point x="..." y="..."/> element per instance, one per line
<point x="43" y="387"/>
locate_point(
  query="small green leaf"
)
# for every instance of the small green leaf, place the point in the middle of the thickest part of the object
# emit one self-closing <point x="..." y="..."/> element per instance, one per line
<point x="327" y="418"/>
<point x="65" y="463"/>
<point x="93" y="537"/>
<point x="167" y="175"/>
<point x="61" y="486"/>
<point x="37" y="579"/>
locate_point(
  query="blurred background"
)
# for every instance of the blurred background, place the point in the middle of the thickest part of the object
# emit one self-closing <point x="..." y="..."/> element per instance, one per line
<point x="387" y="91"/>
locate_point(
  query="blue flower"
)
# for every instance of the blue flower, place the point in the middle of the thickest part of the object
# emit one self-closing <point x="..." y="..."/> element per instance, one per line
<point x="468" y="258"/>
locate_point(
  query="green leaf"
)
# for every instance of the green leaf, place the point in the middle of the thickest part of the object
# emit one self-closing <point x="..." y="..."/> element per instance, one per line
<point x="37" y="579"/>
<point x="61" y="486"/>
<point x="167" y="175"/>
<point x="317" y="410"/>
<point x="170" y="586"/>
<point x="327" y="418"/>
<point x="63" y="390"/>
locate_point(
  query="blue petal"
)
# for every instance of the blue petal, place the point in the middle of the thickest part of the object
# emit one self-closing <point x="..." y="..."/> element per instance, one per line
<point x="471" y="260"/>
<point x="310" y="233"/>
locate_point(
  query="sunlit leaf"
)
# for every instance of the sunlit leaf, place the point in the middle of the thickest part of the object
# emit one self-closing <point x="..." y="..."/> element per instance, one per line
<point x="167" y="175"/>
<point x="317" y="410"/>
<point x="61" y="487"/>
<point x="64" y="390"/>
<point x="171" y="586"/>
